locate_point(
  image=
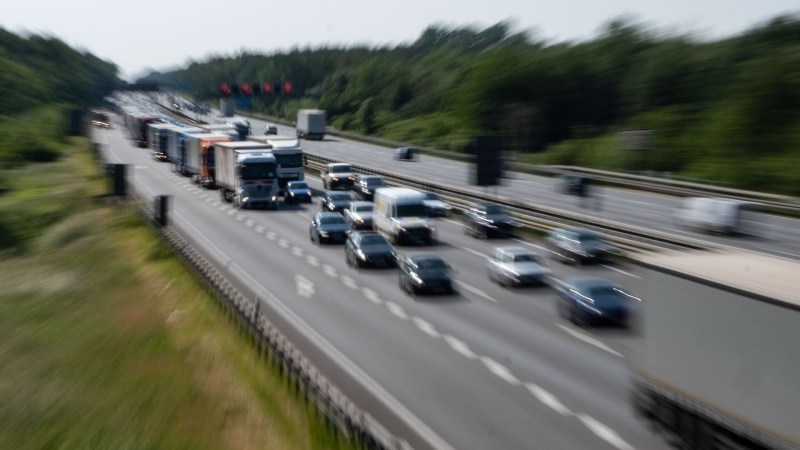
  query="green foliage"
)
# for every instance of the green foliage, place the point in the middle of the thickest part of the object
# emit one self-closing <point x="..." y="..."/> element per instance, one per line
<point x="708" y="103"/>
<point x="36" y="135"/>
<point x="42" y="70"/>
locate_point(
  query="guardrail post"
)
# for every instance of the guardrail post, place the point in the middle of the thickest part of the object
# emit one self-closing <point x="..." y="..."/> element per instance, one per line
<point x="119" y="183"/>
<point x="161" y="208"/>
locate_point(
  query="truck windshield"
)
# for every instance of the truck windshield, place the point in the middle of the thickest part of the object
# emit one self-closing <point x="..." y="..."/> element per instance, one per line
<point x="257" y="171"/>
<point x="412" y="210"/>
<point x="290" y="160"/>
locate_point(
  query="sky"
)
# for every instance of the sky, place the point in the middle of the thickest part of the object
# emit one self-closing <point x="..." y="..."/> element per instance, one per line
<point x="163" y="35"/>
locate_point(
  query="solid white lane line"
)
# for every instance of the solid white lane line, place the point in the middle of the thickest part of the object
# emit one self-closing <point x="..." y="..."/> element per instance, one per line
<point x="548" y="399"/>
<point x="426" y="327"/>
<point x="476" y="252"/>
<point x="604" y="432"/>
<point x="396" y="309"/>
<point x="499" y="370"/>
<point x="476" y="291"/>
<point x="459" y="346"/>
<point x="618" y="270"/>
<point x="590" y="340"/>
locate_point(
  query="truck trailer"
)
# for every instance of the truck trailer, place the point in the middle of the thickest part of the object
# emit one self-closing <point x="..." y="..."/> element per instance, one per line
<point x="719" y="368"/>
<point x="310" y="124"/>
<point x="199" y="159"/>
<point x="247" y="174"/>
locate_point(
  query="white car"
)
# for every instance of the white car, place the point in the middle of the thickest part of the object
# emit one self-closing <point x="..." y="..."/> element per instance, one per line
<point x="517" y="266"/>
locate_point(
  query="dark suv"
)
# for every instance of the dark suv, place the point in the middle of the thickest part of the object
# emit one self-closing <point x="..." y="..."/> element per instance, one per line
<point x="485" y="220"/>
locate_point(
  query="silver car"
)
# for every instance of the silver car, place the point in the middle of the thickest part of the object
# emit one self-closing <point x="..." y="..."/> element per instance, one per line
<point x="359" y="215"/>
<point x="517" y="266"/>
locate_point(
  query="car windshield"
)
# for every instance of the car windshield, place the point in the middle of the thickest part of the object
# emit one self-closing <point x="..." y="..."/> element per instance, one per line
<point x="412" y="210"/>
<point x="331" y="220"/>
<point x="525" y="257"/>
<point x="432" y="264"/>
<point x="605" y="295"/>
<point x="375" y="182"/>
<point x="339" y="196"/>
<point x="495" y="209"/>
<point x="431" y="196"/>
<point x="298" y="186"/>
<point x="373" y="240"/>
<point x="363" y="208"/>
<point x="341" y="169"/>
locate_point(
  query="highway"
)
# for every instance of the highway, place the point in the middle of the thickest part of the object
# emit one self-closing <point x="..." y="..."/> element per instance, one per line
<point x="489" y="368"/>
<point x="779" y="236"/>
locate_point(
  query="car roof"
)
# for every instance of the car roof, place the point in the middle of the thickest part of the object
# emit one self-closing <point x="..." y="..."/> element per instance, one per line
<point x="337" y="194"/>
<point x="423" y="256"/>
<point x="338" y="164"/>
<point x="361" y="203"/>
<point x="328" y="214"/>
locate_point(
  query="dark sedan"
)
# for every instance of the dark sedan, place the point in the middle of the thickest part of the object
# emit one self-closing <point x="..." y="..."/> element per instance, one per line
<point x="328" y="227"/>
<point x="577" y="246"/>
<point x="369" y="248"/>
<point x="297" y="192"/>
<point x="335" y="201"/>
<point x="485" y="220"/>
<point x="425" y="273"/>
<point x="366" y="185"/>
<point x="593" y="301"/>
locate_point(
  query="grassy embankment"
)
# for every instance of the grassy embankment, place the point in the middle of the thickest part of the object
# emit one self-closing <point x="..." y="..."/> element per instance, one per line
<point x="106" y="341"/>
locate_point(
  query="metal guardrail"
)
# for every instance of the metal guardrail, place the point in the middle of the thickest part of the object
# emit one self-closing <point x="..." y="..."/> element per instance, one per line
<point x="538" y="218"/>
<point x="341" y="413"/>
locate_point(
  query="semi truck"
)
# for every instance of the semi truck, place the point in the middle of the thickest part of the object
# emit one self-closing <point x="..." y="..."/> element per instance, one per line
<point x="310" y="124"/>
<point x="719" y="367"/>
<point x="247" y="175"/>
<point x="288" y="153"/>
<point x="199" y="157"/>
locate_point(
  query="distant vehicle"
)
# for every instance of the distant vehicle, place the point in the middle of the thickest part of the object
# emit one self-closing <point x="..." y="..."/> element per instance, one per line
<point x="485" y="220"/>
<point x="369" y="249"/>
<point x="297" y="192"/>
<point x="338" y="175"/>
<point x="719" y="215"/>
<point x="593" y="301"/>
<point x="359" y="215"/>
<point x="101" y="119"/>
<point x="365" y="186"/>
<point x="425" y="272"/>
<point x="517" y="266"/>
<point x="577" y="246"/>
<point x="571" y="184"/>
<point x="335" y="201"/>
<point x="404" y="153"/>
<point x="328" y="227"/>
<point x="435" y="206"/>
<point x="310" y="124"/>
<point x="160" y="156"/>
<point x="271" y="128"/>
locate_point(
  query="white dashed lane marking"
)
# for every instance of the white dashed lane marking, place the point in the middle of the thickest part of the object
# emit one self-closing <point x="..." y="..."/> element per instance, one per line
<point x="460" y="346"/>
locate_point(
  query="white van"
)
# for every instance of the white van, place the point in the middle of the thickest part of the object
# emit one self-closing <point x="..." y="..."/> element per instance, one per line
<point x="719" y="215"/>
<point x="401" y="215"/>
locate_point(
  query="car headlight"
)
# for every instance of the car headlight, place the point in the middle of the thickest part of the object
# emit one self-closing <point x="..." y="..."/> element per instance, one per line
<point x="361" y="254"/>
<point x="308" y="193"/>
<point x="323" y="233"/>
<point x="291" y="193"/>
<point x="245" y="199"/>
<point x="274" y="198"/>
<point x="416" y="279"/>
<point x="334" y="178"/>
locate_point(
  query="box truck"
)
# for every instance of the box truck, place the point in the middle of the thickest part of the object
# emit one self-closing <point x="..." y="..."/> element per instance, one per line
<point x="199" y="159"/>
<point x="719" y="366"/>
<point x="310" y="124"/>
